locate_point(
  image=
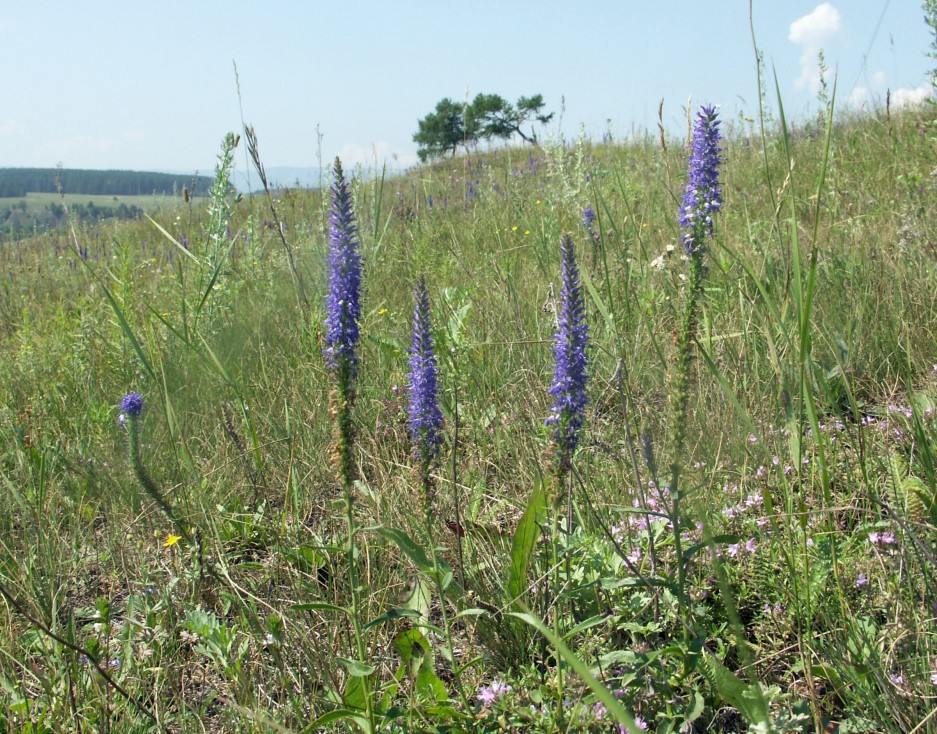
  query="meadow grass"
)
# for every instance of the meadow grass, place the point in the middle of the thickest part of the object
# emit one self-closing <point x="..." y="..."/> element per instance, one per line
<point x="790" y="589"/>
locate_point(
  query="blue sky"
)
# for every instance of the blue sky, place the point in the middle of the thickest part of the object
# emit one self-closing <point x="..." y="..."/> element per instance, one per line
<point x="150" y="85"/>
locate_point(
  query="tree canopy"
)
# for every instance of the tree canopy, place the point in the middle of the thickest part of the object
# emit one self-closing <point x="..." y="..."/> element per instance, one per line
<point x="487" y="116"/>
<point x="16" y="182"/>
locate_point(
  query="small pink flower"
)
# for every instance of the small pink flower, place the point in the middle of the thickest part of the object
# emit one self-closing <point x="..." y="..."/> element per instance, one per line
<point x="489" y="694"/>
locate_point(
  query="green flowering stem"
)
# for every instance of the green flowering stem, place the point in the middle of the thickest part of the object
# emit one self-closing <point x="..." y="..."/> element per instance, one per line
<point x="680" y="402"/>
<point x="345" y="464"/>
<point x="449" y="654"/>
<point x="146" y="481"/>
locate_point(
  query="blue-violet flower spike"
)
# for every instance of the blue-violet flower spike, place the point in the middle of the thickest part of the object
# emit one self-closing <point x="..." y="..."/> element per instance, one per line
<point x="132" y="404"/>
<point x="570" y="373"/>
<point x="343" y="305"/>
<point x="425" y="422"/>
<point x="703" y="196"/>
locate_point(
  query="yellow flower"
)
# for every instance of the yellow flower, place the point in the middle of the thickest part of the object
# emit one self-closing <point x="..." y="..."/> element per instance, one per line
<point x="537" y="201"/>
<point x="526" y="231"/>
<point x="514" y="228"/>
<point x="171" y="540"/>
<point x="382" y="311"/>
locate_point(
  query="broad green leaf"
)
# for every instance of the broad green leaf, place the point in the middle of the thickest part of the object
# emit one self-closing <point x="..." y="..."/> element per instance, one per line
<point x="356" y="668"/>
<point x="524" y="541"/>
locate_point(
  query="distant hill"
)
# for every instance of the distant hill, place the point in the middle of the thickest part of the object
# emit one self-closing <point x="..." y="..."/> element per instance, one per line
<point x="279" y="177"/>
<point x="302" y="177"/>
<point x="17" y="182"/>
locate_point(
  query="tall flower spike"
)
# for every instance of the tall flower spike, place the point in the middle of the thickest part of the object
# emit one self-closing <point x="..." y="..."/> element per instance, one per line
<point x="343" y="301"/>
<point x="703" y="196"/>
<point x="570" y="373"/>
<point x="425" y="422"/>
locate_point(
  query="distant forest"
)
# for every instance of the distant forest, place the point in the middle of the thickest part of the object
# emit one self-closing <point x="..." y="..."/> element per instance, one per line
<point x="16" y="182"/>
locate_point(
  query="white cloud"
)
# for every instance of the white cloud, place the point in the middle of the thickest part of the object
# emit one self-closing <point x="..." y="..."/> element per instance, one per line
<point x="811" y="32"/>
<point x="816" y="27"/>
<point x="352" y="154"/>
<point x="874" y="95"/>
<point x="864" y="96"/>
<point x="904" y="97"/>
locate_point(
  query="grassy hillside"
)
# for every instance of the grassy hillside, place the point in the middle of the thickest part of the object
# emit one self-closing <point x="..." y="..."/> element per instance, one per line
<point x="205" y="567"/>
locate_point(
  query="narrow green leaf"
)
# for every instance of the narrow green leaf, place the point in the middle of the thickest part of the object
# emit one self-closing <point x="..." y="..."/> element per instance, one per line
<point x="319" y="606"/>
<point x="172" y="239"/>
<point x="599" y="303"/>
<point x="392" y="614"/>
<point x="124" y="325"/>
<point x="706" y="542"/>
<point x="411" y="549"/>
<point x="585" y="624"/>
<point x="600" y="690"/>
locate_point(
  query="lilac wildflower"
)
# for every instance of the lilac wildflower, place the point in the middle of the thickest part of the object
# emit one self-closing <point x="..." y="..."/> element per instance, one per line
<point x="881" y="540"/>
<point x="343" y="301"/>
<point x="425" y="417"/>
<point x="862" y="580"/>
<point x="132" y="404"/>
<point x="489" y="694"/>
<point x="703" y="196"/>
<point x="570" y="373"/>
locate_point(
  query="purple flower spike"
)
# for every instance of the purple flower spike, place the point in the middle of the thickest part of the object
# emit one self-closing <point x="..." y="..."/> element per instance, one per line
<point x="425" y="418"/>
<point x="570" y="373"/>
<point x="343" y="301"/>
<point x="132" y="404"/>
<point x="703" y="196"/>
<point x="588" y="221"/>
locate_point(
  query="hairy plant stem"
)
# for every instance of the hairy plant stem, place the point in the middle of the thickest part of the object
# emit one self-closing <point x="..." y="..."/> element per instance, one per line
<point x="146" y="481"/>
<point x="345" y="460"/>
<point x="562" y="477"/>
<point x="441" y="593"/>
<point x="680" y="398"/>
